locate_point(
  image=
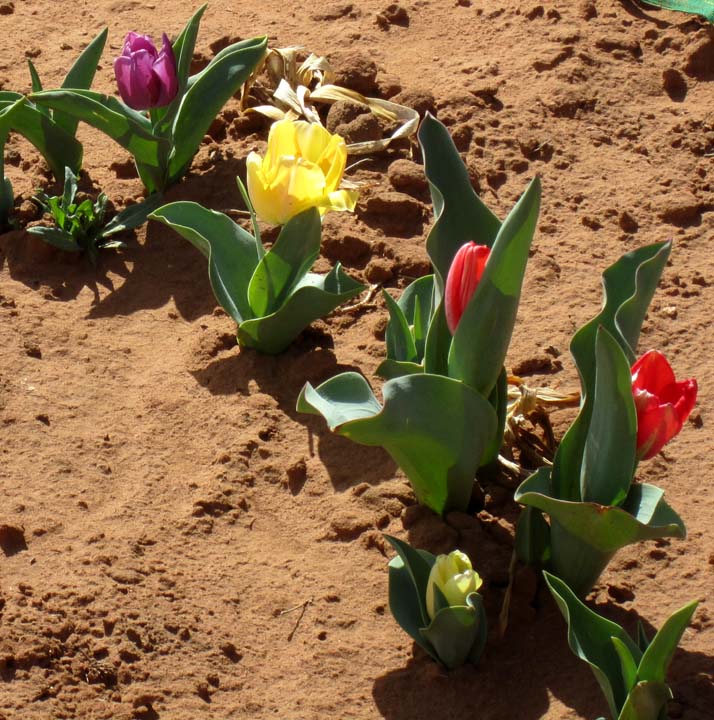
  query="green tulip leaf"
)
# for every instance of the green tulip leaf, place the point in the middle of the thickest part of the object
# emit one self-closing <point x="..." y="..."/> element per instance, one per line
<point x="628" y="664"/>
<point x="231" y="251"/>
<point x="646" y="701"/>
<point x="438" y="342"/>
<point x="129" y="128"/>
<point x="80" y="77"/>
<point x="484" y="332"/>
<point x="207" y="92"/>
<point x="133" y="216"/>
<point x="7" y="197"/>
<point x="314" y="297"/>
<point x="590" y="638"/>
<point x="417" y="304"/>
<point x="434" y="427"/>
<point x="658" y="655"/>
<point x="55" y="236"/>
<point x="286" y="264"/>
<point x="705" y="8"/>
<point x="399" y="338"/>
<point x="643" y="516"/>
<point x="532" y="543"/>
<point x="628" y="286"/>
<point x="59" y="148"/>
<point x="460" y="215"/>
<point x="416" y="566"/>
<point x="390" y="369"/>
<point x="609" y="455"/>
<point x="458" y="633"/>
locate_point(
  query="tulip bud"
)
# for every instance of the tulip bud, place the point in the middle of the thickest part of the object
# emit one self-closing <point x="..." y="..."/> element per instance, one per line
<point x="146" y="78"/>
<point x="464" y="276"/>
<point x="302" y="168"/>
<point x="662" y="403"/>
<point x="454" y="577"/>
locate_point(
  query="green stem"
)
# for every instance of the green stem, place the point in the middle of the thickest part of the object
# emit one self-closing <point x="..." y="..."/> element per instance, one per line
<point x="574" y="561"/>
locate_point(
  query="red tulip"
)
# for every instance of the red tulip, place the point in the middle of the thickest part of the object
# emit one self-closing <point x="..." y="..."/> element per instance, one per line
<point x="464" y="275"/>
<point x="662" y="403"/>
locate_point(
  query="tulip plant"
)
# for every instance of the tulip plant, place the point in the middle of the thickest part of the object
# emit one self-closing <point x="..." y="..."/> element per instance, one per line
<point x="80" y="226"/>
<point x="165" y="112"/>
<point x="270" y="294"/>
<point x="436" y="601"/>
<point x="445" y="397"/>
<point x="631" y="673"/>
<point x="628" y="410"/>
<point x="52" y="132"/>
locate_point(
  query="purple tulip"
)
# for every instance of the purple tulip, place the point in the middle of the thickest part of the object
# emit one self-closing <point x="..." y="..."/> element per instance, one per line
<point x="146" y="78"/>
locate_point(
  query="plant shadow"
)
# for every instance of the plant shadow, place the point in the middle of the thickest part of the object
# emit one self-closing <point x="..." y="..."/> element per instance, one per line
<point x="308" y="359"/>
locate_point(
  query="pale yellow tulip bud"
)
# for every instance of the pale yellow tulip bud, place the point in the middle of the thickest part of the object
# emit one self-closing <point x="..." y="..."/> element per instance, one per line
<point x="302" y="168"/>
<point x="456" y="579"/>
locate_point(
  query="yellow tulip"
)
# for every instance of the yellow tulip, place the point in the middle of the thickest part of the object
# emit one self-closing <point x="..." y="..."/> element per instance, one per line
<point x="455" y="577"/>
<point x="302" y="168"/>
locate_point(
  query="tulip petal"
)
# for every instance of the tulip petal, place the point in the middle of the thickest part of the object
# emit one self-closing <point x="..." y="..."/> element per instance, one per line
<point x="136" y="42"/>
<point x="312" y="140"/>
<point x="333" y="161"/>
<point x="259" y="191"/>
<point x="138" y="85"/>
<point x="282" y="141"/>
<point x="165" y="71"/>
<point x="656" y="425"/>
<point x="464" y="276"/>
<point x="652" y="372"/>
<point x="341" y="200"/>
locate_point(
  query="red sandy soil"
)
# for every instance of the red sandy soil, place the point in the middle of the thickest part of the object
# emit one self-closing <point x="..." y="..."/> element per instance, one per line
<point x="177" y="541"/>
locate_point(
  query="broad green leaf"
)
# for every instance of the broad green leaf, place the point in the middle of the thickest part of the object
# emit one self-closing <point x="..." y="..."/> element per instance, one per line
<point x="35" y="79"/>
<point x="456" y="633"/>
<point x="7" y="200"/>
<point x="80" y="77"/>
<point x="314" y="297"/>
<point x="646" y="701"/>
<point x="605" y="529"/>
<point x="389" y="369"/>
<point x="230" y="250"/>
<point x="499" y="401"/>
<point x="438" y="342"/>
<point x="532" y="543"/>
<point x="656" y="659"/>
<point x="7" y="197"/>
<point x="628" y="285"/>
<point x="133" y="216"/>
<point x="70" y="188"/>
<point x="418" y="564"/>
<point x="54" y="236"/>
<point x="286" y="263"/>
<point x="483" y="335"/>
<point x="460" y="215"/>
<point x="434" y="427"/>
<point x="399" y="338"/>
<point x="705" y="8"/>
<point x="609" y="456"/>
<point x="59" y="149"/>
<point x="125" y="126"/>
<point x="628" y="664"/>
<point x="590" y="638"/>
<point x="417" y="304"/>
<point x="342" y="399"/>
<point x="207" y="94"/>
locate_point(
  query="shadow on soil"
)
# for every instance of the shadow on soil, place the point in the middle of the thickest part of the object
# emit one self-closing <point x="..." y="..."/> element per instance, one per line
<point x="308" y="359"/>
<point x="499" y="687"/>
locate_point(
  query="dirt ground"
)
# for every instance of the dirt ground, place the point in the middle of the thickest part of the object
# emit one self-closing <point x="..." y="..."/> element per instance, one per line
<point x="177" y="541"/>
